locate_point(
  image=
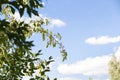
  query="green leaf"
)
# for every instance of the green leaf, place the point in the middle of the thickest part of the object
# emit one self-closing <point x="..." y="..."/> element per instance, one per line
<point x="0" y="7"/>
<point x="12" y="10"/>
<point x="48" y="43"/>
<point x="55" y="79"/>
<point x="21" y="11"/>
<point x="29" y="11"/>
<point x="64" y="54"/>
<point x="47" y="21"/>
<point x="35" y="12"/>
<point x="48" y="78"/>
<point x="32" y="79"/>
<point x="43" y="36"/>
<point x="50" y="58"/>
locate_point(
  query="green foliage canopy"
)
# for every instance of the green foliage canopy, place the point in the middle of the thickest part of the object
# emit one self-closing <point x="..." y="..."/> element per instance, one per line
<point x="114" y="69"/>
<point x="16" y="56"/>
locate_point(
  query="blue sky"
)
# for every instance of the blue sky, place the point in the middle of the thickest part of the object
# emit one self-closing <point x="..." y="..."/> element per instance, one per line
<point x="90" y="31"/>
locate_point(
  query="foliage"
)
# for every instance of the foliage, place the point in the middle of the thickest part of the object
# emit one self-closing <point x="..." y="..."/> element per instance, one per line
<point x="114" y="69"/>
<point x="16" y="56"/>
<point x="90" y="78"/>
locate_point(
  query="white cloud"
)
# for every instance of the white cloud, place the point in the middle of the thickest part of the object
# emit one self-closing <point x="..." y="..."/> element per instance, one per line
<point x="68" y="78"/>
<point x="90" y="66"/>
<point x="57" y="23"/>
<point x="102" y="40"/>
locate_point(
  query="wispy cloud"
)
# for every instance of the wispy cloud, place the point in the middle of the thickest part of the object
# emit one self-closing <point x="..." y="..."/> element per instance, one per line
<point x="57" y="23"/>
<point x="90" y="66"/>
<point x="102" y="40"/>
<point x="68" y="78"/>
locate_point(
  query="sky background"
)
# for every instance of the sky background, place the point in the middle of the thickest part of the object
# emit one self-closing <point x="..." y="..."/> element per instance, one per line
<point x="90" y="31"/>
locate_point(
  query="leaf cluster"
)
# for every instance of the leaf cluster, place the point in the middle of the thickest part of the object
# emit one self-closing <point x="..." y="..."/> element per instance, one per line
<point x="114" y="68"/>
<point x="16" y="56"/>
<point x="30" y="6"/>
